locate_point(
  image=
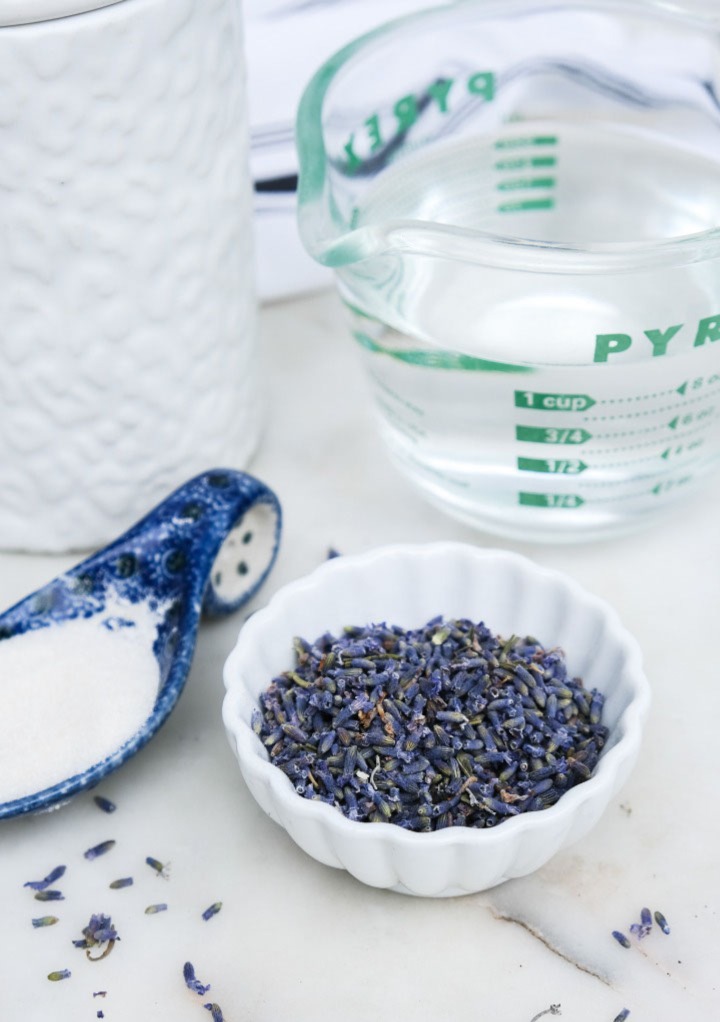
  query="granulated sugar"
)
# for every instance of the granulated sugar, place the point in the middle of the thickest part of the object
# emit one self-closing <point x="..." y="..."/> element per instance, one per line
<point x="72" y="693"/>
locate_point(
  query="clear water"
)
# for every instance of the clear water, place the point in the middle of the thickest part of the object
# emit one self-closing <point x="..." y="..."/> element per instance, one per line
<point x="547" y="441"/>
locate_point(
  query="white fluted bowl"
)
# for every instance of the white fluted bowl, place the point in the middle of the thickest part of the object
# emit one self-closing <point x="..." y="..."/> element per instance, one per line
<point x="407" y="586"/>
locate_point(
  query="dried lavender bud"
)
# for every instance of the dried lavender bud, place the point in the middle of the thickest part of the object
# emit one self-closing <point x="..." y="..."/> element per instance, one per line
<point x="445" y="725"/>
<point x="152" y="910"/>
<point x="621" y="938"/>
<point x="100" y="1014"/>
<point x="98" y="931"/>
<point x="100" y="993"/>
<point x="123" y="882"/>
<point x="212" y="911"/>
<point x="49" y="896"/>
<point x="643" y="928"/>
<point x="622" y="1016"/>
<point x="214" y="1009"/>
<point x="104" y="803"/>
<point x="191" y="982"/>
<point x="55" y="977"/>
<point x="44" y="921"/>
<point x="101" y="849"/>
<point x="662" y="922"/>
<point x="160" y="868"/>
<point x="53" y="875"/>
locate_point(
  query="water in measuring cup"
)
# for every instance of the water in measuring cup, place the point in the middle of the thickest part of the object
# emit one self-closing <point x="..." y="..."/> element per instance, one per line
<point x="486" y="396"/>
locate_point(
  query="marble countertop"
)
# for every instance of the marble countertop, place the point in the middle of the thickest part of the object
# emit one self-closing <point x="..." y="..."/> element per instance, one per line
<point x="296" y="941"/>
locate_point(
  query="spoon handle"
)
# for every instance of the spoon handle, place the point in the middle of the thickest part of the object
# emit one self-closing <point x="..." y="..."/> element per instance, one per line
<point x="215" y="538"/>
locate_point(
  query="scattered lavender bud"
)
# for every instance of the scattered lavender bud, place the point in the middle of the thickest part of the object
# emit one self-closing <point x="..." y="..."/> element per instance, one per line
<point x="332" y="553"/>
<point x="621" y="938"/>
<point x="101" y="849"/>
<point x="662" y="922"/>
<point x="53" y="875"/>
<point x="44" y="921"/>
<point x="191" y="982"/>
<point x="214" y="1009"/>
<point x="159" y="867"/>
<point x="98" y="931"/>
<point x="116" y="885"/>
<point x="100" y="993"/>
<point x="100" y="1014"/>
<point x="643" y="928"/>
<point x="55" y="977"/>
<point x="623" y="1015"/>
<point x="49" y="896"/>
<point x="444" y="725"/>
<point x="212" y="911"/>
<point x="104" y="803"/>
<point x="152" y="910"/>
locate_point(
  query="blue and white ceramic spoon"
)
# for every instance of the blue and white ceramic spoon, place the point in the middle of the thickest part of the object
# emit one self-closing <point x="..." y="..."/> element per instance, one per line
<point x="206" y="549"/>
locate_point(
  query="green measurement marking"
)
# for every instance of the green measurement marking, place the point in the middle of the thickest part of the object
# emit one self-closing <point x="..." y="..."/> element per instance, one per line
<point x="514" y="207"/>
<point x="554" y="500"/>
<point x="551" y="435"/>
<point x="675" y="452"/>
<point x="671" y="484"/>
<point x="526" y="182"/>
<point x="516" y="143"/>
<point x="522" y="162"/>
<point x="555" y="466"/>
<point x="553" y="402"/>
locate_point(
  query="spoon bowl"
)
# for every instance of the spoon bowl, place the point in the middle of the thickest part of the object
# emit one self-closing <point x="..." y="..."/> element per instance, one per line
<point x="206" y="549"/>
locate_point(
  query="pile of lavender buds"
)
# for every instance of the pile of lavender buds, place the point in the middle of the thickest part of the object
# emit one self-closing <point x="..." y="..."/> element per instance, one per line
<point x="444" y="726"/>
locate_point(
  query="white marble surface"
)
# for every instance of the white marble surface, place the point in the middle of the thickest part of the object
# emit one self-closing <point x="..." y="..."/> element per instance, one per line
<point x="296" y="941"/>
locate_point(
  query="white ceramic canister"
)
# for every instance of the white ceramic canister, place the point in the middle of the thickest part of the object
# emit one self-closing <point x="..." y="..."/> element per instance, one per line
<point x="127" y="308"/>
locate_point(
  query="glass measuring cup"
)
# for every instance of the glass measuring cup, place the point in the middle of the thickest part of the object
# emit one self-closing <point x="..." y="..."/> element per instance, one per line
<point x="520" y="202"/>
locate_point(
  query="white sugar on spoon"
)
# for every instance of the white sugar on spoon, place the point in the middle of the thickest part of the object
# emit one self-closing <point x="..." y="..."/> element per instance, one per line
<point x="92" y="664"/>
<point x="61" y="707"/>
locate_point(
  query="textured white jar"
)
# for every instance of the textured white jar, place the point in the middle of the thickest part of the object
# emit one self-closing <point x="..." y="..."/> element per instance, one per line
<point x="127" y="308"/>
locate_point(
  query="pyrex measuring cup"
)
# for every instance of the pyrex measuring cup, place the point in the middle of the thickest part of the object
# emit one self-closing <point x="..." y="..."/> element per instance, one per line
<point x="521" y="202"/>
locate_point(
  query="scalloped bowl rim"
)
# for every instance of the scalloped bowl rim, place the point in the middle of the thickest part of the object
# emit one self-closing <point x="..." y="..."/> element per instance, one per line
<point x="253" y="757"/>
